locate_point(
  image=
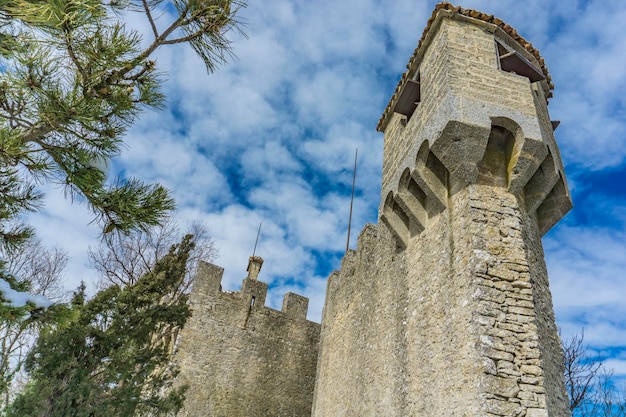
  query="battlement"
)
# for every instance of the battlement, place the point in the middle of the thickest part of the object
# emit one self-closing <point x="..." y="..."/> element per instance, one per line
<point x="233" y="342"/>
<point x="252" y="294"/>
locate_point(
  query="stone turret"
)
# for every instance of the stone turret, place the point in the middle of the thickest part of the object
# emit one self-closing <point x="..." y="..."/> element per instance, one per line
<point x="254" y="267"/>
<point x="445" y="307"/>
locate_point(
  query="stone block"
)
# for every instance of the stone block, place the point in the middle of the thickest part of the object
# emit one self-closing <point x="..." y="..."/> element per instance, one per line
<point x="536" y="412"/>
<point x="295" y="306"/>
<point x="503" y="387"/>
<point x="503" y="408"/>
<point x="253" y="293"/>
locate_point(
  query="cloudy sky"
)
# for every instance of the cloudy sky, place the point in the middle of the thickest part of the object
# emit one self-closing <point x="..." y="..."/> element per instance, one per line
<point x="271" y="136"/>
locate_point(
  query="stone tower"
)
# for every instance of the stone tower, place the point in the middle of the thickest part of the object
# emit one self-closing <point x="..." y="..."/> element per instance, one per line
<point x="444" y="309"/>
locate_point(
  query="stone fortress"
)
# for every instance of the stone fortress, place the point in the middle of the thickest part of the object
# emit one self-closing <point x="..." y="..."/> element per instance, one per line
<point x="444" y="308"/>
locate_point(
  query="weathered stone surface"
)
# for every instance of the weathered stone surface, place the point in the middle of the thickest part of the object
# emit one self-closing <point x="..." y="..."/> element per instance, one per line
<point x="449" y="313"/>
<point x="242" y="359"/>
<point x="444" y="309"/>
<point x="503" y="408"/>
<point x="501" y="386"/>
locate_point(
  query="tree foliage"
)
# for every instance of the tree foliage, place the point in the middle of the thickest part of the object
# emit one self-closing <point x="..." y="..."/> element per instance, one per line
<point x="40" y="267"/>
<point x="107" y="357"/>
<point x="73" y="79"/>
<point x="37" y="270"/>
<point x="122" y="259"/>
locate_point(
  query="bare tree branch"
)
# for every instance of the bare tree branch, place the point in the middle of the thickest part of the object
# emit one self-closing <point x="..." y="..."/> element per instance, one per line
<point x="590" y="385"/>
<point x="123" y="259"/>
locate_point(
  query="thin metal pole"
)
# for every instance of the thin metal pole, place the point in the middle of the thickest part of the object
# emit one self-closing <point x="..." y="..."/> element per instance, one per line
<point x="356" y="155"/>
<point x="258" y="233"/>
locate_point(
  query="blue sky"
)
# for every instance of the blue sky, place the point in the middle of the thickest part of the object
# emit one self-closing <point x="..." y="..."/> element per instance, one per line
<point x="270" y="138"/>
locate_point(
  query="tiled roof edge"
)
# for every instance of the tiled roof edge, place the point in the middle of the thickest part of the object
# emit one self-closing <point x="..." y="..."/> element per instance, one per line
<point x="489" y="18"/>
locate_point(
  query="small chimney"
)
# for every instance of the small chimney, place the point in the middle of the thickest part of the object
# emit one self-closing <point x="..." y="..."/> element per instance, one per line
<point x="254" y="267"/>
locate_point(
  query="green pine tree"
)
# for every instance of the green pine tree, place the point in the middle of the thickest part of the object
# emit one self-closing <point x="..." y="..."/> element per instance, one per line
<point x="107" y="357"/>
<point x="73" y="78"/>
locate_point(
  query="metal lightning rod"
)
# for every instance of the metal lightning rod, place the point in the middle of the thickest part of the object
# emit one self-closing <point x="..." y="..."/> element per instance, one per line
<point x="258" y="233"/>
<point x="356" y="154"/>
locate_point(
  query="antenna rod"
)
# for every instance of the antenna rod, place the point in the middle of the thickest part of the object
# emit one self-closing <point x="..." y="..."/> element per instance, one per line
<point x="356" y="154"/>
<point x="258" y="233"/>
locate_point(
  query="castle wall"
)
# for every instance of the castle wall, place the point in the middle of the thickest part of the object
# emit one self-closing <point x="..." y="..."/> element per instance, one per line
<point x="444" y="308"/>
<point x="361" y="363"/>
<point x="242" y="359"/>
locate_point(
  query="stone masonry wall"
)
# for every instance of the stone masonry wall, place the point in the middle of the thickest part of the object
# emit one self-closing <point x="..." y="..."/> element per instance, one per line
<point x="443" y="364"/>
<point x="361" y="362"/>
<point x="460" y="323"/>
<point x="242" y="359"/>
<point x="514" y="319"/>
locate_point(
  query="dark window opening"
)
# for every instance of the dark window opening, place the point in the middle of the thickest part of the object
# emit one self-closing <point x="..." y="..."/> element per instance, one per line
<point x="409" y="98"/>
<point x="252" y="301"/>
<point x="513" y="61"/>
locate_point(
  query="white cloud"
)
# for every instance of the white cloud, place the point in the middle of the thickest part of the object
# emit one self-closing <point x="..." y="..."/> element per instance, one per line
<point x="586" y="268"/>
<point x="270" y="137"/>
<point x="68" y="226"/>
<point x="619" y="369"/>
<point x="268" y="161"/>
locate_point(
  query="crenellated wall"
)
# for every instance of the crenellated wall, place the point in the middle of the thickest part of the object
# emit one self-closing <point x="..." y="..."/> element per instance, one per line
<point x="243" y="359"/>
<point x="444" y="308"/>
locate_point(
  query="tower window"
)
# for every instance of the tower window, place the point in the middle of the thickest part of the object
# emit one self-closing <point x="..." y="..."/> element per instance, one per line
<point x="512" y="61"/>
<point x="409" y="98"/>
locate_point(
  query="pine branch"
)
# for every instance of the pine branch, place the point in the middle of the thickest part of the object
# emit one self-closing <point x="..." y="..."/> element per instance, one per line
<point x="146" y="8"/>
